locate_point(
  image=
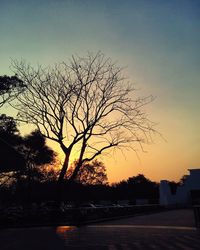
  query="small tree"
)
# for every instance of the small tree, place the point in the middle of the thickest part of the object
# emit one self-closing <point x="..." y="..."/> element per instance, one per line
<point x="35" y="149"/>
<point x="86" y="104"/>
<point x="93" y="173"/>
<point x="36" y="154"/>
<point x="21" y="156"/>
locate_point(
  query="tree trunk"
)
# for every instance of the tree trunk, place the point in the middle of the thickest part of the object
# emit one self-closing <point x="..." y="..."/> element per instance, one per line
<point x="75" y="173"/>
<point x="61" y="177"/>
<point x="78" y="166"/>
<point x="64" y="168"/>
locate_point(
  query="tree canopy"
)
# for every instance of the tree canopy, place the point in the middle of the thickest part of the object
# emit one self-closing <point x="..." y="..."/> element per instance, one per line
<point x="93" y="173"/>
<point x="11" y="159"/>
<point x="10" y="86"/>
<point x="20" y="153"/>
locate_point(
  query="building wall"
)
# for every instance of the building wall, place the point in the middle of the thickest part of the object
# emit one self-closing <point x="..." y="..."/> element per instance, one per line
<point x="182" y="196"/>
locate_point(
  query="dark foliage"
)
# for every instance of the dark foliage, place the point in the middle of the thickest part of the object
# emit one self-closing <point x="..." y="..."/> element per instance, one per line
<point x="136" y="187"/>
<point x="11" y="159"/>
<point x="10" y="87"/>
<point x="22" y="155"/>
<point x="35" y="150"/>
<point x="93" y="173"/>
<point x="42" y="191"/>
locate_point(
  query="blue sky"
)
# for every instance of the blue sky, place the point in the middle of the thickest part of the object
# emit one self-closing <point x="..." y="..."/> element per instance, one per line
<point x="158" y="42"/>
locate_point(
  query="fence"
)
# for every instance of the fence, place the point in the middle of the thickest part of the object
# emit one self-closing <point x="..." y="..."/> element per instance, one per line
<point x="85" y="215"/>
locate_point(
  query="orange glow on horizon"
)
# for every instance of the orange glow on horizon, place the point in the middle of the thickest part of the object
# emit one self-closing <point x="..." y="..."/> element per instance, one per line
<point x="157" y="163"/>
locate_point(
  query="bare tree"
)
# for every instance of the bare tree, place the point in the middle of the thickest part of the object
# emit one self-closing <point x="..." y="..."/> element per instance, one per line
<point x="86" y="104"/>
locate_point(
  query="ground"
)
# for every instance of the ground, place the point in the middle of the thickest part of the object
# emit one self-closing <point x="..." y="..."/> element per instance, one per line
<point x="165" y="230"/>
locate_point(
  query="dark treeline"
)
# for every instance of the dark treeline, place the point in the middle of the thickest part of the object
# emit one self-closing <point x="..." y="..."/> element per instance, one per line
<point x="137" y="187"/>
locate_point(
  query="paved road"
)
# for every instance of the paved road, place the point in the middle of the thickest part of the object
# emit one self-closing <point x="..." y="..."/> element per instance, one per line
<point x="181" y="217"/>
<point x="166" y="230"/>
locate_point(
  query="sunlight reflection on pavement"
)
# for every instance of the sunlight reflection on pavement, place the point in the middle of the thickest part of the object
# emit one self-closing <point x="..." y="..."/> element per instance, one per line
<point x="121" y="237"/>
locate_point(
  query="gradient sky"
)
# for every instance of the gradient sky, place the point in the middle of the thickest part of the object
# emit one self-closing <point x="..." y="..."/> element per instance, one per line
<point x="157" y="40"/>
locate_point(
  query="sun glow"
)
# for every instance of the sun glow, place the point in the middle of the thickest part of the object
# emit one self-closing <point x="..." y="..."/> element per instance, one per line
<point x="60" y="155"/>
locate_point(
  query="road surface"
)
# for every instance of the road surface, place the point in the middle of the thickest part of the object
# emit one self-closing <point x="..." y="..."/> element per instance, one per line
<point x="165" y="230"/>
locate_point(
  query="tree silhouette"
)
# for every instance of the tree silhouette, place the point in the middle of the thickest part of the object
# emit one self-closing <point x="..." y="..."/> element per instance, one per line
<point x="36" y="153"/>
<point x="10" y="139"/>
<point x="93" y="173"/>
<point x="21" y="156"/>
<point x="10" y="86"/>
<point x="86" y="104"/>
<point x="137" y="187"/>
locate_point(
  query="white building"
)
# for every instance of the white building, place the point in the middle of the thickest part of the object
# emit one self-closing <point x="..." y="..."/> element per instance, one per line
<point x="183" y="192"/>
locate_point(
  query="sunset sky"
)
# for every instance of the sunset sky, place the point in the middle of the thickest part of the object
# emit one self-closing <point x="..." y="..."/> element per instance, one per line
<point x="158" y="42"/>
